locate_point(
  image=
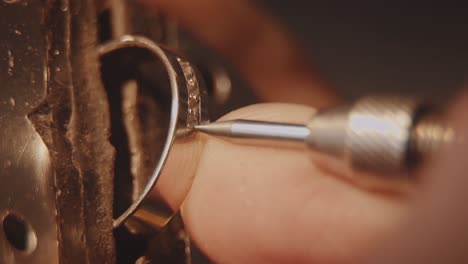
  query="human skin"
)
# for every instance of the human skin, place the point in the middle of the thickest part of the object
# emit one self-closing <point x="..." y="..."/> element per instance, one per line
<point x="259" y="204"/>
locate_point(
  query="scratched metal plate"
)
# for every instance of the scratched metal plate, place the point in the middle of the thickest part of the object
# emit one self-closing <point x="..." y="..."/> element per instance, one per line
<point x="27" y="194"/>
<point x="55" y="204"/>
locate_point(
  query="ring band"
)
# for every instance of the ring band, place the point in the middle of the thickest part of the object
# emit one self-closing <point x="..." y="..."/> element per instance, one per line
<point x="173" y="175"/>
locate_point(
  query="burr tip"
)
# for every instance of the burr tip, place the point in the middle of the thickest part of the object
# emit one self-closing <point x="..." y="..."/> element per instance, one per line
<point x="218" y="128"/>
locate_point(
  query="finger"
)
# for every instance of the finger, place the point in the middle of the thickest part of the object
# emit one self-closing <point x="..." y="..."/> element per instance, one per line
<point x="256" y="44"/>
<point x="436" y="230"/>
<point x="252" y="204"/>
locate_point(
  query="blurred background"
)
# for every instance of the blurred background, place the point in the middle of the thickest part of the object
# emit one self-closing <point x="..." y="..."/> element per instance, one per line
<point x="418" y="50"/>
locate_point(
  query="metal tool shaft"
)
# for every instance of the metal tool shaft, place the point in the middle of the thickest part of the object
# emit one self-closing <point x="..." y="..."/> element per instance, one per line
<point x="383" y="135"/>
<point x="256" y="129"/>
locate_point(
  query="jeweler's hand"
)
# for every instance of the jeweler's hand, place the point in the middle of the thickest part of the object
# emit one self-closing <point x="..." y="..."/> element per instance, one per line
<point x="252" y="204"/>
<point x="263" y="205"/>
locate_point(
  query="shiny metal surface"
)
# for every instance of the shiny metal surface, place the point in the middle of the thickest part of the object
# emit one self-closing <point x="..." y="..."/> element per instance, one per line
<point x="429" y="135"/>
<point x="381" y="135"/>
<point x="256" y="130"/>
<point x="378" y="133"/>
<point x="167" y="187"/>
<point x="26" y="174"/>
<point x="384" y="135"/>
<point x="134" y="112"/>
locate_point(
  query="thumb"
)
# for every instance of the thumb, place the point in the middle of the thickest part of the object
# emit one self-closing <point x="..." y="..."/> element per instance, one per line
<point x="259" y="204"/>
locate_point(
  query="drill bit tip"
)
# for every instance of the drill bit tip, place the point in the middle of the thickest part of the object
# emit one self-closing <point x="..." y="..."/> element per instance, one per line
<point x="223" y="128"/>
